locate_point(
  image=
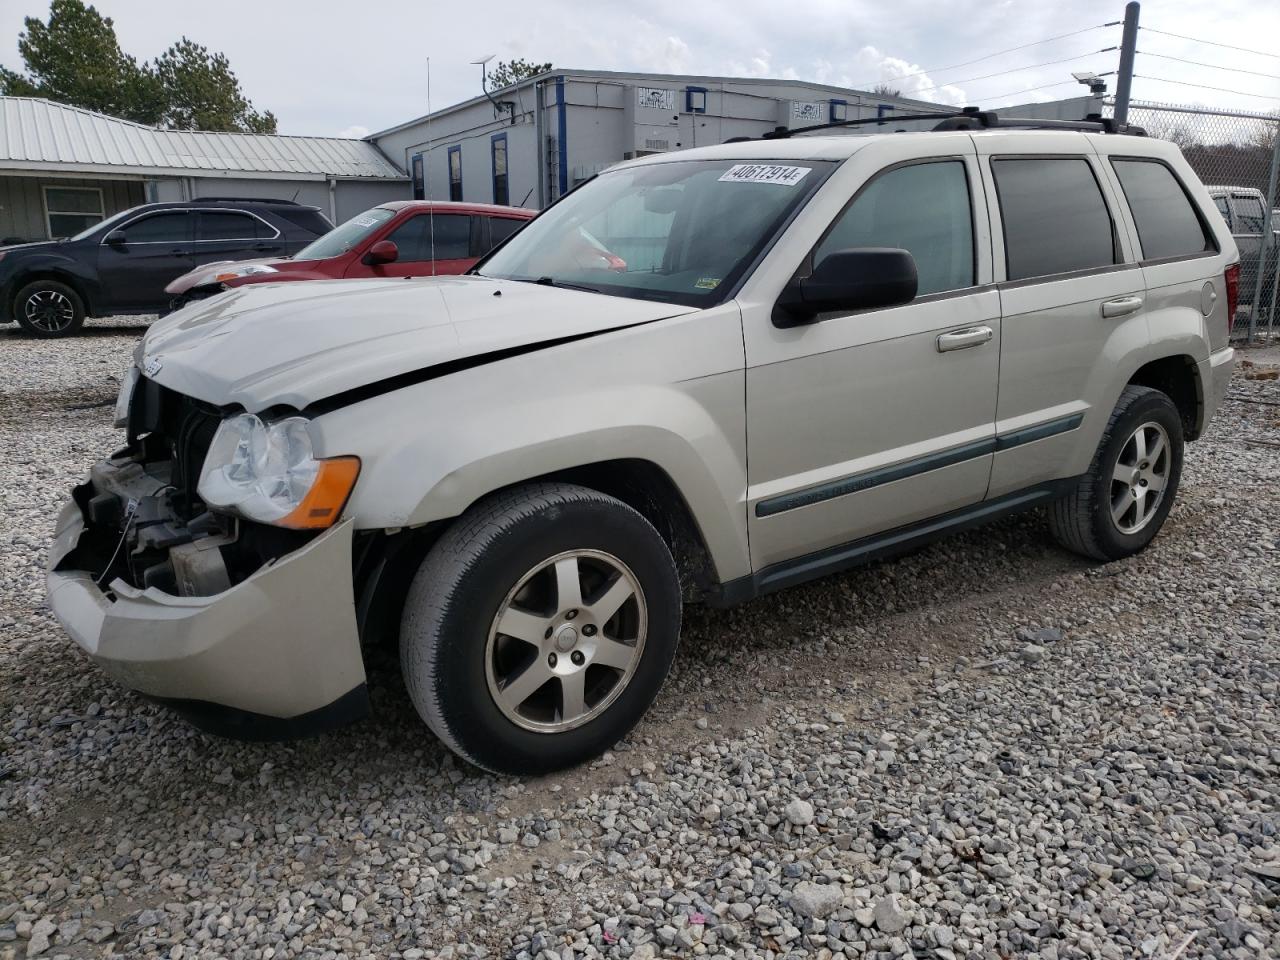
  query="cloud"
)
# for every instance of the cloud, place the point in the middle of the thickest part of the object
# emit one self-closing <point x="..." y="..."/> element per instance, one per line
<point x="354" y="132"/>
<point x="899" y="74"/>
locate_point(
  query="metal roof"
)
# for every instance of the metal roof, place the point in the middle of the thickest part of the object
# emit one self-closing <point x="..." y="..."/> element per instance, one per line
<point x="620" y="76"/>
<point x="37" y="134"/>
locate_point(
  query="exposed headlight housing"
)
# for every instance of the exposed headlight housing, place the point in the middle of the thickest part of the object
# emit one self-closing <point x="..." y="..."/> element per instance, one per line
<point x="248" y="270"/>
<point x="267" y="472"/>
<point x="125" y="397"/>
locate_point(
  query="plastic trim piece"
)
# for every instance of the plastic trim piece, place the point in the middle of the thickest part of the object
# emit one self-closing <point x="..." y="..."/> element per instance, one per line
<point x="858" y="482"/>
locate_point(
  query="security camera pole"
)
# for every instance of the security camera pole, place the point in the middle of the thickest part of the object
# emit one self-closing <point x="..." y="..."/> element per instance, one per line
<point x="1128" y="45"/>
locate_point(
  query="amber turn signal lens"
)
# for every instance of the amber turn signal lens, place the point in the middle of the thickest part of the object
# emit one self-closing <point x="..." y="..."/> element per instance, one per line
<point x="328" y="495"/>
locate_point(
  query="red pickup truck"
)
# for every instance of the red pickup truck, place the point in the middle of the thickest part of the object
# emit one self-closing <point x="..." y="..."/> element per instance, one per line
<point x="404" y="238"/>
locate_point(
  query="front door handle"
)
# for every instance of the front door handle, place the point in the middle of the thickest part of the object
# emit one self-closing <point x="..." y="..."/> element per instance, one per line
<point x="1121" y="306"/>
<point x="963" y="339"/>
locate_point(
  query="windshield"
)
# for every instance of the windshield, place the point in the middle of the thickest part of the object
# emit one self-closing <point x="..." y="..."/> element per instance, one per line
<point x="107" y="223"/>
<point x="341" y="239"/>
<point x="680" y="232"/>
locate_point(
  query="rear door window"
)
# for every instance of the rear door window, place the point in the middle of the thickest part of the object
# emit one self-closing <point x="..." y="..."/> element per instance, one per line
<point x="230" y="225"/>
<point x="449" y="237"/>
<point x="1055" y="218"/>
<point x="1168" y="225"/>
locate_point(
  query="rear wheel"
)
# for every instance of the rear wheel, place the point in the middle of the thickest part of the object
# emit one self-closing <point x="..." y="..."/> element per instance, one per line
<point x="540" y="627"/>
<point x="1119" y="506"/>
<point x="47" y="308"/>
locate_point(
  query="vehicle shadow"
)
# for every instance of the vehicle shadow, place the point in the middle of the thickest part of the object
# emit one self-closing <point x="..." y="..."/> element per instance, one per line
<point x="15" y="332"/>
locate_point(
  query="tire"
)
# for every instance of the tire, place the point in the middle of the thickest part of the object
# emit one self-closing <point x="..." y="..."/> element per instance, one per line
<point x="1085" y="521"/>
<point x="48" y="309"/>
<point x="510" y="553"/>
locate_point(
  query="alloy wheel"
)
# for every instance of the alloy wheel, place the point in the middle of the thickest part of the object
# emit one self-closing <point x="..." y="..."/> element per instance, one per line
<point x="1140" y="476"/>
<point x="49" y="310"/>
<point x="566" y="641"/>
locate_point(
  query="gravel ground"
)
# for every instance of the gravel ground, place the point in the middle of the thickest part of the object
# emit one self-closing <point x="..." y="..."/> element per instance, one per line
<point x="989" y="749"/>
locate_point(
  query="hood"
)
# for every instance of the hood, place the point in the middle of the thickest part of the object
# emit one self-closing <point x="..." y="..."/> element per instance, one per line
<point x="37" y="246"/>
<point x="295" y="344"/>
<point x="205" y="273"/>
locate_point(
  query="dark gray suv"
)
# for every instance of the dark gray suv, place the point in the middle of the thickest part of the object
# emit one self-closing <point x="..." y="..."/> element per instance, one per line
<point x="121" y="265"/>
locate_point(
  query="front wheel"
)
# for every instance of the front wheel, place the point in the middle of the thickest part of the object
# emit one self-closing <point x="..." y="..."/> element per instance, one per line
<point x="1119" y="506"/>
<point x="540" y="627"/>
<point x="47" y="308"/>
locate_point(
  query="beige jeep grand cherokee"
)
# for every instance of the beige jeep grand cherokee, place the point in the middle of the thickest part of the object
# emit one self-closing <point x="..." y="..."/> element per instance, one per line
<point x="702" y="375"/>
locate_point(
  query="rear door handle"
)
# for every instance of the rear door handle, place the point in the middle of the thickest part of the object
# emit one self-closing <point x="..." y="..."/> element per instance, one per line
<point x="963" y="339"/>
<point x="1121" y="306"/>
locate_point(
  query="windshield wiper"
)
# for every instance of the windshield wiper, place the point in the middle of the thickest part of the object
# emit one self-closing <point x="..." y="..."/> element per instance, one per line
<point x="553" y="282"/>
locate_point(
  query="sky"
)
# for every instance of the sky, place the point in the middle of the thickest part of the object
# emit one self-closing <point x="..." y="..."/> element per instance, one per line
<point x="338" y="68"/>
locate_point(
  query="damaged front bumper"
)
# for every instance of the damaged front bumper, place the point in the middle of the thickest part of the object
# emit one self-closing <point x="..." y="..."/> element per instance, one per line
<point x="275" y="655"/>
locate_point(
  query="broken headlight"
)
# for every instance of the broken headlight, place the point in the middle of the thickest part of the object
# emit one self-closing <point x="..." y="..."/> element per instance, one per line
<point x="267" y="472"/>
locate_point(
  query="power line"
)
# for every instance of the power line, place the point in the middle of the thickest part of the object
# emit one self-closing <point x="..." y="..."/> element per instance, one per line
<point x="1211" y="66"/>
<point x="1029" y="66"/>
<point x="1184" y="83"/>
<point x="956" y="66"/>
<point x="1226" y="46"/>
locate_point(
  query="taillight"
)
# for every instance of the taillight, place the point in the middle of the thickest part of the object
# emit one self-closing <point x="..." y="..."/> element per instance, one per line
<point x="1231" y="277"/>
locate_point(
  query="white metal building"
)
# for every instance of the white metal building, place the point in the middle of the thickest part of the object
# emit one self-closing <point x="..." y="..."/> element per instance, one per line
<point x="530" y="143"/>
<point x="63" y="168"/>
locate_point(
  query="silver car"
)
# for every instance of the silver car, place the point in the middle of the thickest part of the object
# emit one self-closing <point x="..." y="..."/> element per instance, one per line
<point x="702" y="376"/>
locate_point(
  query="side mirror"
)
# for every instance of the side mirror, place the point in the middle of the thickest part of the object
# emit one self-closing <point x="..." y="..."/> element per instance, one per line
<point x="861" y="278"/>
<point x="116" y="238"/>
<point x="384" y="251"/>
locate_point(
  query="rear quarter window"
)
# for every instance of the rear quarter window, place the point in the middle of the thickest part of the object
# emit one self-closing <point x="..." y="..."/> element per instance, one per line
<point x="1055" y="219"/>
<point x="1168" y="224"/>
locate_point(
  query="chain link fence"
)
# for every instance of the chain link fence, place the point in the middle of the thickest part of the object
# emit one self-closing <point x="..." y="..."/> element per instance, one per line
<point x="1235" y="154"/>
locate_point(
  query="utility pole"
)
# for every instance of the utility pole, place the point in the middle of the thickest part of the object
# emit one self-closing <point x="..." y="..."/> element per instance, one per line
<point x="1128" y="46"/>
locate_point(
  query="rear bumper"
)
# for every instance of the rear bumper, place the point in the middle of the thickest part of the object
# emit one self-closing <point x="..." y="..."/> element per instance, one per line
<point x="1215" y="375"/>
<point x="274" y="656"/>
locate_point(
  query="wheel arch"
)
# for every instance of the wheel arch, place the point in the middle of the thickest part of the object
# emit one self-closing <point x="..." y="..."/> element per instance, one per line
<point x="1178" y="377"/>
<point x="384" y="563"/>
<point x="56" y="274"/>
<point x="649" y="490"/>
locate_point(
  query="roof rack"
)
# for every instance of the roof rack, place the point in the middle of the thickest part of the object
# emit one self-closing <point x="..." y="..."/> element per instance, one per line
<point x="243" y="200"/>
<point x="970" y="118"/>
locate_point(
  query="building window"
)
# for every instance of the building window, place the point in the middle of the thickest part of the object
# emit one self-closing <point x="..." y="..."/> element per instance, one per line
<point x="419" y="181"/>
<point x="695" y="100"/>
<point x="455" y="172"/>
<point x="498" y="148"/>
<point x="68" y="210"/>
<point x="839" y="111"/>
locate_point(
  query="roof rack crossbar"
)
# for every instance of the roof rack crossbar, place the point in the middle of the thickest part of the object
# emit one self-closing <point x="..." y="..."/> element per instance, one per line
<point x="244" y="200"/>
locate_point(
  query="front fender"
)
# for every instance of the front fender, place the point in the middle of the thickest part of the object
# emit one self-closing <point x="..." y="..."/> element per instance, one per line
<point x="669" y="393"/>
<point x="57" y="265"/>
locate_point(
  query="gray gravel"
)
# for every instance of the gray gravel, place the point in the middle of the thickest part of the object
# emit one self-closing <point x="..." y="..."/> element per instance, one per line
<point x="988" y="749"/>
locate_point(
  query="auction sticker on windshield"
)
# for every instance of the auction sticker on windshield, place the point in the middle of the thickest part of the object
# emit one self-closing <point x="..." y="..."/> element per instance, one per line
<point x="764" y="173"/>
